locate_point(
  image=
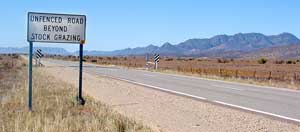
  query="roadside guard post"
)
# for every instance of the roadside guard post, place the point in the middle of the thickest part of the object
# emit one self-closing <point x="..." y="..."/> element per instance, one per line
<point x="156" y="60"/>
<point x="55" y="28"/>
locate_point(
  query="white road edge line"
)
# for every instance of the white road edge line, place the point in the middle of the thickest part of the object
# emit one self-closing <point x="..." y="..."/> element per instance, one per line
<point x="218" y="102"/>
<point x="257" y="111"/>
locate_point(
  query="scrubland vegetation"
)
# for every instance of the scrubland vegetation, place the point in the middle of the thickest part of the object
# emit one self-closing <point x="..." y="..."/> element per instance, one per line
<point x="280" y="72"/>
<point x="54" y="105"/>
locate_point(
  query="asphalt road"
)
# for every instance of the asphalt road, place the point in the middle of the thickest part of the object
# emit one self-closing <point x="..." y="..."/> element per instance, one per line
<point x="280" y="103"/>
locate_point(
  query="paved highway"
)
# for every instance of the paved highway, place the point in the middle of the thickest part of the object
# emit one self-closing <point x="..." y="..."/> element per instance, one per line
<point x="280" y="103"/>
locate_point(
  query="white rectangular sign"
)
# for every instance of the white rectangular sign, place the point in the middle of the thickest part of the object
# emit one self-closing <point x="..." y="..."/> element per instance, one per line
<point x="55" y="28"/>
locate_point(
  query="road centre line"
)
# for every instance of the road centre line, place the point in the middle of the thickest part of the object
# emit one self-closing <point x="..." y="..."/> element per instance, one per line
<point x="219" y="86"/>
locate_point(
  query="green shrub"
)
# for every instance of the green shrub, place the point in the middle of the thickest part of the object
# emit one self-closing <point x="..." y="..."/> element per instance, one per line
<point x="262" y="61"/>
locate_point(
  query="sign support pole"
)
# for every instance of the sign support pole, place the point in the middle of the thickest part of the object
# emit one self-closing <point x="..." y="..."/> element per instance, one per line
<point x="80" y="98"/>
<point x="30" y="77"/>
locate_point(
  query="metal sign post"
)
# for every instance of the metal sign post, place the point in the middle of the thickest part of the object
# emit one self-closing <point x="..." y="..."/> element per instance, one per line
<point x="30" y="77"/>
<point x="55" y="28"/>
<point x="80" y="100"/>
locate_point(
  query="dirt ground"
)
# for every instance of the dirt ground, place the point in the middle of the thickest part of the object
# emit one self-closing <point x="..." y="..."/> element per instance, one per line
<point x="168" y="112"/>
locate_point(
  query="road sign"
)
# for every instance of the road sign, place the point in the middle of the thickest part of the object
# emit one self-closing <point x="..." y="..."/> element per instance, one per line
<point x="156" y="60"/>
<point x="156" y="57"/>
<point x="38" y="56"/>
<point x="56" y="28"/>
<point x="39" y="53"/>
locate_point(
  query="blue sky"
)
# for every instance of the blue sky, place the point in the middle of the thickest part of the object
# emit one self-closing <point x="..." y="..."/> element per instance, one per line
<point x="113" y="24"/>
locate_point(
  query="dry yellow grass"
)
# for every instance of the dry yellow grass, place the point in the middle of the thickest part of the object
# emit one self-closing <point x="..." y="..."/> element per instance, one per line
<point x="54" y="107"/>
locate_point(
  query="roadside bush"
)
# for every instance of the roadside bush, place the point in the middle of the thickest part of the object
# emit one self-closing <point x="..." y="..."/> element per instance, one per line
<point x="279" y="62"/>
<point x="262" y="61"/>
<point x="290" y="62"/>
<point x="115" y="58"/>
<point x="168" y="59"/>
<point x="223" y="61"/>
<point x="93" y="60"/>
<point x="181" y="59"/>
<point x="191" y="59"/>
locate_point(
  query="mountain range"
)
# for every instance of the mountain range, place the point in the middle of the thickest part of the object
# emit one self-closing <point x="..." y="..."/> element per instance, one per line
<point x="233" y="46"/>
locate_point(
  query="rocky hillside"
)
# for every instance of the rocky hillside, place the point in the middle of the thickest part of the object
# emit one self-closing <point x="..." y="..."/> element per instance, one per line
<point x="283" y="52"/>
